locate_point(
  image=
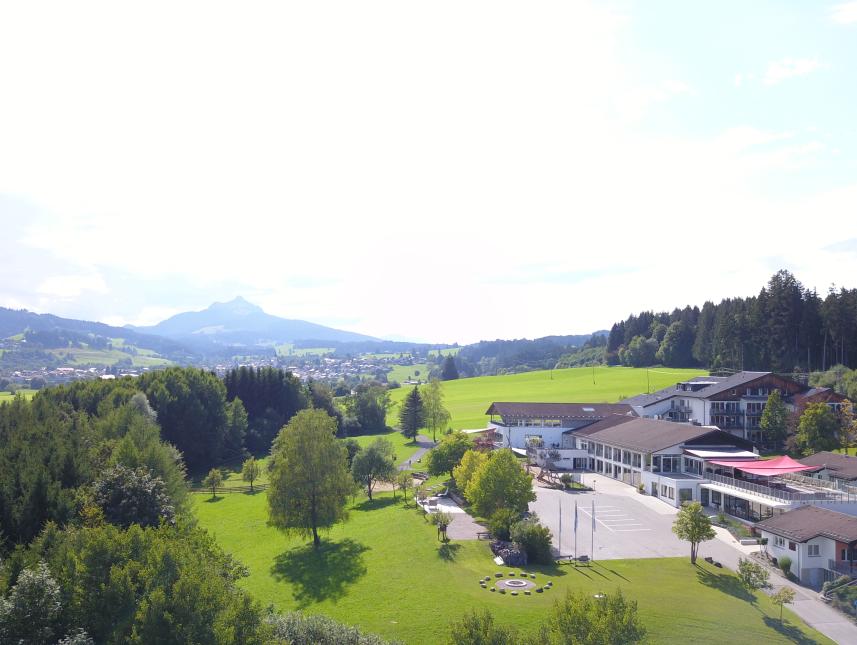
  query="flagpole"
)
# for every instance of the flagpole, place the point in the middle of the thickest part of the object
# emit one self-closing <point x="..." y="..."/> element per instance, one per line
<point x="559" y="544"/>
<point x="592" y="535"/>
<point x="575" y="529"/>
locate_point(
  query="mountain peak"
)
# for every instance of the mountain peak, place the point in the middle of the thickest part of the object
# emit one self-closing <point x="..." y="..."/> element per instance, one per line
<point x="237" y="305"/>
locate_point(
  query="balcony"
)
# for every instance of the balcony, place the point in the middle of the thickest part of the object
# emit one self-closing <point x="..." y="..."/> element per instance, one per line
<point x="777" y="492"/>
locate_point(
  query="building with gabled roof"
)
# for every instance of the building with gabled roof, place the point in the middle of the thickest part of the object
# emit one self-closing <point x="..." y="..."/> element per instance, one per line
<point x="733" y="403"/>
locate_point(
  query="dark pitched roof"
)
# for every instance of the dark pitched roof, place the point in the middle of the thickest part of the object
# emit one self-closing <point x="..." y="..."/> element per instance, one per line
<point x="669" y="392"/>
<point x="559" y="410"/>
<point x="650" y="435"/>
<point x="807" y="522"/>
<point x="730" y="383"/>
<point x="843" y="467"/>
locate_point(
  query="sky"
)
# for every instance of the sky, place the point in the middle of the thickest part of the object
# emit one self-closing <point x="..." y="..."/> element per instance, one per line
<point x="443" y="171"/>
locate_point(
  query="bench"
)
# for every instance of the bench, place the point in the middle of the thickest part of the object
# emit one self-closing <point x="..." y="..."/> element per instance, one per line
<point x="483" y="535"/>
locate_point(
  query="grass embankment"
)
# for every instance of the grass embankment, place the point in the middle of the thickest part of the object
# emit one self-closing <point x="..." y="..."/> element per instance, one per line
<point x="403" y="446"/>
<point x="385" y="571"/>
<point x="467" y="399"/>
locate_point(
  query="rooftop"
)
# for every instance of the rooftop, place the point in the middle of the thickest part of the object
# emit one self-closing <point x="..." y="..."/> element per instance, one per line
<point x="807" y="522"/>
<point x="559" y="410"/>
<point x="651" y="435"/>
<point x="843" y="466"/>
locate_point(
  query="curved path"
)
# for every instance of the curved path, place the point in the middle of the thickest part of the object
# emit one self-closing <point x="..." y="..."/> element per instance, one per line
<point x="425" y="444"/>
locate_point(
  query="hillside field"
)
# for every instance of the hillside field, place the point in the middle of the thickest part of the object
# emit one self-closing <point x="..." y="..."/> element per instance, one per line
<point x="467" y="399"/>
<point x="7" y="396"/>
<point x="384" y="570"/>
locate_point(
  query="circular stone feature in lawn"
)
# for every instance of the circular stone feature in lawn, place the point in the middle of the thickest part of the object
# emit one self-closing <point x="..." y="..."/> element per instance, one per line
<point x="515" y="584"/>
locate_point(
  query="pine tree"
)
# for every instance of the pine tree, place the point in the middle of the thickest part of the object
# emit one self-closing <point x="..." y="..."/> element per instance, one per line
<point x="449" y="372"/>
<point x="412" y="415"/>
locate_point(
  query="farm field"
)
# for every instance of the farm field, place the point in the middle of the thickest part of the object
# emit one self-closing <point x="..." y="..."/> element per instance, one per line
<point x="288" y="349"/>
<point x="450" y="351"/>
<point x="467" y="399"/>
<point x="402" y="583"/>
<point x="83" y="356"/>
<point x="402" y="373"/>
<point x="7" y="396"/>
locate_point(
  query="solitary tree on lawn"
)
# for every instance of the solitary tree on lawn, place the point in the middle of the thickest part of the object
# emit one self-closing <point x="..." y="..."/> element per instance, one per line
<point x="212" y="480"/>
<point x="375" y="463"/>
<point x="250" y="471"/>
<point x="310" y="483"/>
<point x="412" y="415"/>
<point x="448" y="372"/>
<point x="784" y="596"/>
<point x="692" y="524"/>
<point x="437" y="416"/>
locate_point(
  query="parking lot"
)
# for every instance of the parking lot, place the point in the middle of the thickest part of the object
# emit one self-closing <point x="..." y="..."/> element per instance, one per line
<point x="627" y="524"/>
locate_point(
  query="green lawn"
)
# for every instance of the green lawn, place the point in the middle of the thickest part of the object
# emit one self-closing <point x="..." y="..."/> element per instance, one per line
<point x="27" y="394"/>
<point x="402" y="373"/>
<point x="402" y="445"/>
<point x="385" y="571"/>
<point x="467" y="399"/>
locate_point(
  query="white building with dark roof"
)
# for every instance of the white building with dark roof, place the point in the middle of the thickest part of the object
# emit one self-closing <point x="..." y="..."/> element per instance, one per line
<point x="734" y="403"/>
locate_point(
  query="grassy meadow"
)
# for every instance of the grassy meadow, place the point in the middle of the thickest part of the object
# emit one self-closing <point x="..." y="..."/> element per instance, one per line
<point x="467" y="399"/>
<point x="402" y="373"/>
<point x="288" y="349"/>
<point x="8" y="396"/>
<point x="385" y="570"/>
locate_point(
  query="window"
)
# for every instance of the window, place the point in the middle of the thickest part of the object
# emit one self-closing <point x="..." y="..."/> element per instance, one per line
<point x="813" y="550"/>
<point x="608" y="452"/>
<point x="780" y="542"/>
<point x="599" y="450"/>
<point x="685" y="494"/>
<point x="638" y="460"/>
<point x="792" y="546"/>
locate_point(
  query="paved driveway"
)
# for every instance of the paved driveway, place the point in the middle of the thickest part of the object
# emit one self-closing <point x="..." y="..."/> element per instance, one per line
<point x="630" y="525"/>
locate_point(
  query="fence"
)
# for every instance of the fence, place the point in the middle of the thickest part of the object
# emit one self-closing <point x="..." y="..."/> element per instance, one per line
<point x="229" y="489"/>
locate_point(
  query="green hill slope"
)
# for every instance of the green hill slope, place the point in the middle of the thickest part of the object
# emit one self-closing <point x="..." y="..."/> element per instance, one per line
<point x="467" y="399"/>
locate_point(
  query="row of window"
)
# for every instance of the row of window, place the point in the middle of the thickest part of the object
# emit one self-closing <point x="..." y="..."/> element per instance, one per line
<point x="812" y="550"/>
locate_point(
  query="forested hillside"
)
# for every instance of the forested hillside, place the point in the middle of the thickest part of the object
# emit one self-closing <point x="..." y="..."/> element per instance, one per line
<point x="787" y="327"/>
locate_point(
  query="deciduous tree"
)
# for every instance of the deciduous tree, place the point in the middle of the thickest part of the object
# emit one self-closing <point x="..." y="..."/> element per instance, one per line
<point x="250" y="471"/>
<point x="500" y="483"/>
<point x="751" y="574"/>
<point x="774" y="420"/>
<point x="437" y="416"/>
<point x="580" y="618"/>
<point x="463" y="473"/>
<point x="310" y="482"/>
<point x="783" y="596"/>
<point x="692" y="525"/>
<point x="212" y="480"/>
<point x="444" y="457"/>
<point x="376" y="462"/>
<point x="818" y="429"/>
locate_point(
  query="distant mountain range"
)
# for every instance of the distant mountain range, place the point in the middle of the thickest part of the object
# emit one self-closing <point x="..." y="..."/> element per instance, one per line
<point x="239" y="322"/>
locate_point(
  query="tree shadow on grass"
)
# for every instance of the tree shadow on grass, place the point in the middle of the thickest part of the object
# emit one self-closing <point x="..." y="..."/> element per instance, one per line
<point x="448" y="551"/>
<point x="214" y="500"/>
<point x="323" y="573"/>
<point x="789" y="631"/>
<point x="255" y="492"/>
<point x="374" y="504"/>
<point x="725" y="582"/>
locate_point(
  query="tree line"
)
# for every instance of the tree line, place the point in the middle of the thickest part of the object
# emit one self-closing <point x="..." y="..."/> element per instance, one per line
<point x="786" y="327"/>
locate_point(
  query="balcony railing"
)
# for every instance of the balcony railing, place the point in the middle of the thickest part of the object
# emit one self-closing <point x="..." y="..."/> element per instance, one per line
<point x="770" y="492"/>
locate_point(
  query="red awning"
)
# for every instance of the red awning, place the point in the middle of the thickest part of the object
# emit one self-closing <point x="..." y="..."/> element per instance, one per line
<point x="766" y="467"/>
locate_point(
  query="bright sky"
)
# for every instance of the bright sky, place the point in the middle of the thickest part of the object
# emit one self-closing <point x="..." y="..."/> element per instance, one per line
<point x="444" y="171"/>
